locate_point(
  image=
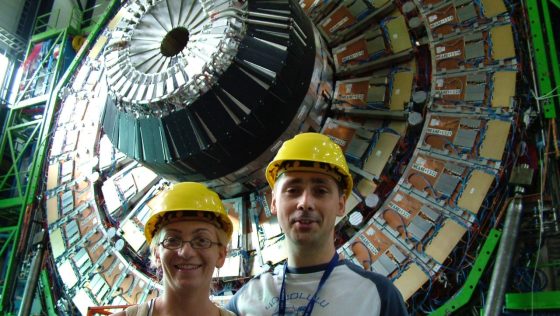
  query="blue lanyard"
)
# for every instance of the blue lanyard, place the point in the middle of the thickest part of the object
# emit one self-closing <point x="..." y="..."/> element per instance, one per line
<point x="311" y="304"/>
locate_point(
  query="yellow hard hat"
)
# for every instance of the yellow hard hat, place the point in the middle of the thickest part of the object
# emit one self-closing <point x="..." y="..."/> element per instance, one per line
<point x="77" y="42"/>
<point x="184" y="200"/>
<point x="311" y="152"/>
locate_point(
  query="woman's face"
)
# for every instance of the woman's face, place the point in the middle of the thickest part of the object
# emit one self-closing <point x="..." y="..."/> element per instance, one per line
<point x="187" y="267"/>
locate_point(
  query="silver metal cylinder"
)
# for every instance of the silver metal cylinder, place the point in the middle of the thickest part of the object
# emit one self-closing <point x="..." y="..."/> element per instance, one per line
<point x="498" y="283"/>
<point x="31" y="283"/>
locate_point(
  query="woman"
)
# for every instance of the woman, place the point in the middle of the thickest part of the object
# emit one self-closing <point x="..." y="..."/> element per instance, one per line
<point x="188" y="235"/>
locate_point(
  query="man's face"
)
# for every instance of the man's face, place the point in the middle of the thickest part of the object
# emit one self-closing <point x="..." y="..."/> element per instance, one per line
<point x="307" y="204"/>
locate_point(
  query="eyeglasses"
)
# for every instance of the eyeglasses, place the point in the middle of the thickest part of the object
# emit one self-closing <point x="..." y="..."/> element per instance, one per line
<point x="174" y="243"/>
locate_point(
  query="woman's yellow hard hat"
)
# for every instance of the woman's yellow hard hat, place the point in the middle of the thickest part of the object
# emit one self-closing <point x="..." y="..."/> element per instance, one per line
<point x="187" y="199"/>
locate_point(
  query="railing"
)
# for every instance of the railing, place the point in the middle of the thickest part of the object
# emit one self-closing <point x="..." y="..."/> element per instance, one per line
<point x="78" y="19"/>
<point x="105" y="310"/>
<point x="49" y="21"/>
<point x="91" y="16"/>
<point x="42" y="23"/>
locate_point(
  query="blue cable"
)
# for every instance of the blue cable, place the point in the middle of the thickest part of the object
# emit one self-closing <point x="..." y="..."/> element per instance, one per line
<point x="428" y="185"/>
<point x="427" y="292"/>
<point x="490" y="47"/>
<point x="391" y="77"/>
<point x="490" y="93"/>
<point x="464" y="181"/>
<point x="370" y="147"/>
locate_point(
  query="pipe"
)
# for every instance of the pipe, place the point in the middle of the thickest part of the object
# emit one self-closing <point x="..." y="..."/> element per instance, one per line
<point x="31" y="283"/>
<point x="500" y="273"/>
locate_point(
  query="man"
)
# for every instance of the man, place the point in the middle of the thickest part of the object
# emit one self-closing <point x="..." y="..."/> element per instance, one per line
<point x="310" y="183"/>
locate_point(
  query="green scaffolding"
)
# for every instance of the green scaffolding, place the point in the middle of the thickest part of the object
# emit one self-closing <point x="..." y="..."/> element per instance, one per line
<point x="24" y="146"/>
<point x="544" y="52"/>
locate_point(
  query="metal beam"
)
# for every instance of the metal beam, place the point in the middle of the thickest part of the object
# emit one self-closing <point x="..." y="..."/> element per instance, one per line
<point x="544" y="50"/>
<point x="15" y="163"/>
<point x="45" y="285"/>
<point x="556" y="3"/>
<point x="533" y="301"/>
<point x="7" y="229"/>
<point x="8" y="241"/>
<point x="551" y="45"/>
<point x="10" y="202"/>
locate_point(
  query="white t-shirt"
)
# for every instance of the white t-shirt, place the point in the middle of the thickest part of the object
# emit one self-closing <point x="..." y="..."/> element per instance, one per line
<point x="350" y="290"/>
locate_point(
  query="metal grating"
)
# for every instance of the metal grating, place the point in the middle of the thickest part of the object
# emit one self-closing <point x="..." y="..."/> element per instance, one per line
<point x="12" y="42"/>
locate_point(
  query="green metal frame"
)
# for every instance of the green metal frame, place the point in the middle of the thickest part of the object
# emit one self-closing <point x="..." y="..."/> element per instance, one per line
<point x="533" y="301"/>
<point x="464" y="295"/>
<point x="22" y="176"/>
<point x="545" y="53"/>
<point x="45" y="285"/>
<point x="10" y="231"/>
<point x="24" y="195"/>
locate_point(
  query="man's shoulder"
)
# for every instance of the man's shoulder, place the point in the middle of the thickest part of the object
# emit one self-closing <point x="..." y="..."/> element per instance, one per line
<point x="357" y="271"/>
<point x="258" y="281"/>
<point x="391" y="298"/>
<point x="266" y="275"/>
<point x="256" y="286"/>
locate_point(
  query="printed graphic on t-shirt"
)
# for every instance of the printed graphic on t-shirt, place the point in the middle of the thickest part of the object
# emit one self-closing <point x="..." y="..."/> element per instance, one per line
<point x="296" y="302"/>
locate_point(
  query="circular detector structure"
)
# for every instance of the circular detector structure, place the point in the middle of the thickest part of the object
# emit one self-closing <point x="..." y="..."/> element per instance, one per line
<point x="421" y="96"/>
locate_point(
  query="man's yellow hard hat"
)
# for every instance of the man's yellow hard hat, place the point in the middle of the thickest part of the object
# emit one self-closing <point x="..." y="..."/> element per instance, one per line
<point x="311" y="152"/>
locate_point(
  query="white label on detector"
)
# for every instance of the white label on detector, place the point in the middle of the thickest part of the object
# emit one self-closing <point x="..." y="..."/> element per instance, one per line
<point x="338" y="141"/>
<point x="425" y="170"/>
<point x="440" y="49"/>
<point x="434" y="122"/>
<point x="432" y="18"/>
<point x="399" y="210"/>
<point x="398" y="197"/>
<point x="338" y="25"/>
<point x="448" y="55"/>
<point x="437" y="131"/>
<point x="449" y="92"/>
<point x="352" y="97"/>
<point x="440" y="22"/>
<point x="331" y="124"/>
<point x="369" y="245"/>
<point x="353" y="56"/>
